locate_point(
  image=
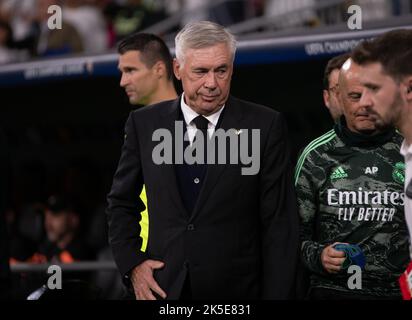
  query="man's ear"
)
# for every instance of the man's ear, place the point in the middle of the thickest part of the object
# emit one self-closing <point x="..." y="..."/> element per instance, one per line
<point x="409" y="85"/>
<point x="407" y="88"/>
<point x="176" y="68"/>
<point x="326" y="98"/>
<point x="160" y="68"/>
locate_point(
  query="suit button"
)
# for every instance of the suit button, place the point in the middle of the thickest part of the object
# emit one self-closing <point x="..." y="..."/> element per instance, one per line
<point x="196" y="180"/>
<point x="191" y="227"/>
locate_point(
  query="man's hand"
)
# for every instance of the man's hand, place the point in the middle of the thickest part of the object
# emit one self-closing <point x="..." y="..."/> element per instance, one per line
<point x="143" y="281"/>
<point x="332" y="259"/>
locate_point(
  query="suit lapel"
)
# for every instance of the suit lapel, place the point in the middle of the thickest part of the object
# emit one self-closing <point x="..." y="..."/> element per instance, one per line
<point x="230" y="119"/>
<point x="167" y="121"/>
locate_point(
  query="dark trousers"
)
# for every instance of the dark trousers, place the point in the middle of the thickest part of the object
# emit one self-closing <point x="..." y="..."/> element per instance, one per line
<point x="186" y="294"/>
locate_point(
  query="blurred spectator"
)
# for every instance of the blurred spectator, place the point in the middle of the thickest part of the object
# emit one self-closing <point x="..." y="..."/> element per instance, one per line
<point x="20" y="14"/>
<point x="256" y="8"/>
<point x="28" y="20"/>
<point x="7" y="53"/>
<point x="64" y="243"/>
<point x="291" y="13"/>
<point x="224" y="12"/>
<point x="196" y="11"/>
<point x="171" y="6"/>
<point x="41" y="41"/>
<point x="100" y="4"/>
<point x="131" y="17"/>
<point x="90" y="24"/>
<point x="374" y="9"/>
<point x="229" y="12"/>
<point x="57" y="41"/>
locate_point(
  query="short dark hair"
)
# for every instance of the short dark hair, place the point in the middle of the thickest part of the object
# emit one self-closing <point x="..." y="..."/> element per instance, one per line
<point x="151" y="47"/>
<point x="58" y="204"/>
<point x="393" y="50"/>
<point x="334" y="63"/>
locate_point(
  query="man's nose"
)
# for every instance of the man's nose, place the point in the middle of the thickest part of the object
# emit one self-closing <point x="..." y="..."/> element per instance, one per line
<point x="210" y="81"/>
<point x="124" y="80"/>
<point x="365" y="100"/>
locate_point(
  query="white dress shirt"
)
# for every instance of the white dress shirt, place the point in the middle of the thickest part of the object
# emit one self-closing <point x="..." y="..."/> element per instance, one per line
<point x="189" y="114"/>
<point x="406" y="151"/>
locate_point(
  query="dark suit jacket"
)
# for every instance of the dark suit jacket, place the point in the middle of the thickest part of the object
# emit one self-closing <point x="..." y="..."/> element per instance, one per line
<point x="241" y="240"/>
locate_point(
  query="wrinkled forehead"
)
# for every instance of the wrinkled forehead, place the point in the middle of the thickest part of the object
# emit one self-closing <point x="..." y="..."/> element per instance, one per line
<point x="211" y="55"/>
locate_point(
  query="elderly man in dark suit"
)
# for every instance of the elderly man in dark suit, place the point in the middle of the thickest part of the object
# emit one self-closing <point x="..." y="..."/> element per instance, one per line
<point x="217" y="231"/>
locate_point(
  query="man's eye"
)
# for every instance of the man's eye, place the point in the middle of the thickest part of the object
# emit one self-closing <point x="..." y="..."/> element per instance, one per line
<point x="354" y="96"/>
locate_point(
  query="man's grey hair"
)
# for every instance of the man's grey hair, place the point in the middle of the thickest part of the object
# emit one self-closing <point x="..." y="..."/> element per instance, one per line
<point x="202" y="34"/>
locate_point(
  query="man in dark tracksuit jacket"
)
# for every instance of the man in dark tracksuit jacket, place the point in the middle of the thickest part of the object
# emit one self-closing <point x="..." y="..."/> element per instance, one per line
<point x="349" y="184"/>
<point x="342" y="199"/>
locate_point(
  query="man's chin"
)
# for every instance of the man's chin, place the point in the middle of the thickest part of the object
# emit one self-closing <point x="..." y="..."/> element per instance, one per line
<point x="208" y="109"/>
<point x="133" y="101"/>
<point x="211" y="107"/>
<point x="381" y="125"/>
<point x="368" y="129"/>
<point x="366" y="125"/>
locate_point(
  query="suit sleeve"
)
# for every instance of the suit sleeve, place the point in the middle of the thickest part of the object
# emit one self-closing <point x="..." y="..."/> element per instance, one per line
<point x="124" y="204"/>
<point x="307" y="192"/>
<point x="279" y="215"/>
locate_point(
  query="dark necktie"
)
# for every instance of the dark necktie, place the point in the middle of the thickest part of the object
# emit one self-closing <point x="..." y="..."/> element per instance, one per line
<point x="202" y="125"/>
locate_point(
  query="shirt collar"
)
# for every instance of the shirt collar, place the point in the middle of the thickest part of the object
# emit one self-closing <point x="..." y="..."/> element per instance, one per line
<point x="189" y="114"/>
<point x="406" y="149"/>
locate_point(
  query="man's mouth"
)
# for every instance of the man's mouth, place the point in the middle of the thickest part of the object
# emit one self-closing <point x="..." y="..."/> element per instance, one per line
<point x="209" y="98"/>
<point x="364" y="116"/>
